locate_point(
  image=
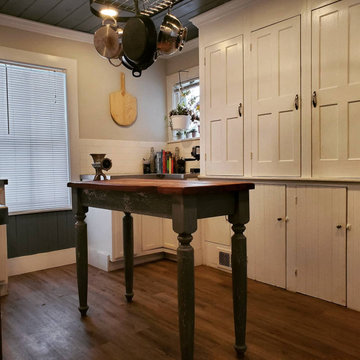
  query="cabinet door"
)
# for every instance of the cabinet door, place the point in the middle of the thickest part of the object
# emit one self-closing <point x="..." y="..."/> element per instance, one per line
<point x="217" y="230"/>
<point x="224" y="88"/>
<point x="316" y="245"/>
<point x="151" y="232"/>
<point x="336" y="81"/>
<point x="266" y="235"/>
<point x="170" y="237"/>
<point x="275" y="62"/>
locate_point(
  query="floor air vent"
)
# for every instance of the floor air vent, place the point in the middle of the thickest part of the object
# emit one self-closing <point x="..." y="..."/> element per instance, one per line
<point x="224" y="259"/>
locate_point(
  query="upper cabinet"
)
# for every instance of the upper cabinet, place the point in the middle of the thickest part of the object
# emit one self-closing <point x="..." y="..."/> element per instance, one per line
<point x="336" y="86"/>
<point x="281" y="88"/>
<point x="275" y="62"/>
<point x="224" y="98"/>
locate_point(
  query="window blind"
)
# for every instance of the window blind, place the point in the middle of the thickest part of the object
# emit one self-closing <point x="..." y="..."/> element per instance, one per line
<point x="34" y="151"/>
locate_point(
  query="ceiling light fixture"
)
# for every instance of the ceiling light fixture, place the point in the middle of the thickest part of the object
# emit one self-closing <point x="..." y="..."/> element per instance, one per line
<point x="109" y="12"/>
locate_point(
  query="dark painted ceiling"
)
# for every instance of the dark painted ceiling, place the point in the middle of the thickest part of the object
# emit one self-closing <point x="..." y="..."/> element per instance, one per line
<point x="76" y="14"/>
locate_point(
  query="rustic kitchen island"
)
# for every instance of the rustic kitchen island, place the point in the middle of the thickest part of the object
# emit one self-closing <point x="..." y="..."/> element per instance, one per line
<point x="184" y="202"/>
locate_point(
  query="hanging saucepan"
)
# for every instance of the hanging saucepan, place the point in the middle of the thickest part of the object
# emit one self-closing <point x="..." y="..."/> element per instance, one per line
<point x="139" y="43"/>
<point x="107" y="40"/>
<point x="172" y="35"/>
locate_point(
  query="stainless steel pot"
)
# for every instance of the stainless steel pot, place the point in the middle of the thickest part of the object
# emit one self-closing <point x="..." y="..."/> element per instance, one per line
<point x="172" y="35"/>
<point x="108" y="41"/>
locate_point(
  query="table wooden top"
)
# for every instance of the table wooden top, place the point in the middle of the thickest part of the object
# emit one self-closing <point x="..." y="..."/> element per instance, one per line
<point x="169" y="187"/>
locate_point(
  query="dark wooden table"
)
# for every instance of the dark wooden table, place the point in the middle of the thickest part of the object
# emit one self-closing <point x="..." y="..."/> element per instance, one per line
<point x="184" y="202"/>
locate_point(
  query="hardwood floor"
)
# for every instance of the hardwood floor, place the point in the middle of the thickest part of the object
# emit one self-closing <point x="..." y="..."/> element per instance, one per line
<point x="41" y="320"/>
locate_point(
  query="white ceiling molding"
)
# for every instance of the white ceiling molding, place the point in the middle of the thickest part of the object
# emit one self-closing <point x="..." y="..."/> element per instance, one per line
<point x="220" y="12"/>
<point x="45" y="29"/>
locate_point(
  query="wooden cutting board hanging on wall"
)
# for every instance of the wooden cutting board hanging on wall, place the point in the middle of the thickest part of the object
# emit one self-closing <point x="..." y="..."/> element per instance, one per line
<point x="123" y="106"/>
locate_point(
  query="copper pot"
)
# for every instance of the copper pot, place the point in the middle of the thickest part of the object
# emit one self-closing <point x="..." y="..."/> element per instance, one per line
<point x="108" y="40"/>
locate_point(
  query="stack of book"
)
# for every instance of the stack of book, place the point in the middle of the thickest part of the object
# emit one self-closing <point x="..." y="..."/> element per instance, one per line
<point x="165" y="162"/>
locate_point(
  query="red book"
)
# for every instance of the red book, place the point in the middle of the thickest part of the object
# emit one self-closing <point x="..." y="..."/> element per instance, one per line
<point x="164" y="162"/>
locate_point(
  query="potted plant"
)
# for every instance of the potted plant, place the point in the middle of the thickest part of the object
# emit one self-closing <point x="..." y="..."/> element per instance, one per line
<point x="180" y="117"/>
<point x="187" y="111"/>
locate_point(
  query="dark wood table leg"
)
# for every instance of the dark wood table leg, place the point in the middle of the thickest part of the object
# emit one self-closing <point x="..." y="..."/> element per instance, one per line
<point x="239" y="270"/>
<point x="184" y="218"/>
<point x="186" y="295"/>
<point x="81" y="252"/>
<point x="128" y="241"/>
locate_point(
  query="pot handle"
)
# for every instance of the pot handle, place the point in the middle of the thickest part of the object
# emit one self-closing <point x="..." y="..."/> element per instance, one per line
<point x="116" y="65"/>
<point x="136" y="72"/>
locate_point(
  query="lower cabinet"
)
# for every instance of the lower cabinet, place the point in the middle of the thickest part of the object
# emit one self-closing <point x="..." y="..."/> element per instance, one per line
<point x="316" y="242"/>
<point x="266" y="235"/>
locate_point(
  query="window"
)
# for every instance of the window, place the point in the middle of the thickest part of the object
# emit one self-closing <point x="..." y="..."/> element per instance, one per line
<point x="34" y="137"/>
<point x="191" y="89"/>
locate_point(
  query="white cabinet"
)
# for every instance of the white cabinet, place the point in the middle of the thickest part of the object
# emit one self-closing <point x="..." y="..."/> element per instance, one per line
<point x="151" y="232"/>
<point x="216" y="233"/>
<point x="336" y="81"/>
<point x="169" y="236"/>
<point x="316" y="242"/>
<point x="224" y="99"/>
<point x="266" y="235"/>
<point x="353" y="248"/>
<point x="275" y="65"/>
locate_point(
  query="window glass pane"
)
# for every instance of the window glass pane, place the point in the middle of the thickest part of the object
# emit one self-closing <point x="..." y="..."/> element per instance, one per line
<point x="34" y="155"/>
<point x="3" y="101"/>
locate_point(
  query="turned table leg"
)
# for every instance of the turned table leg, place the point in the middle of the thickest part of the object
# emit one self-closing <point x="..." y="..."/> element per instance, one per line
<point x="81" y="258"/>
<point x="239" y="280"/>
<point x="186" y="295"/>
<point x="128" y="240"/>
<point x="239" y="269"/>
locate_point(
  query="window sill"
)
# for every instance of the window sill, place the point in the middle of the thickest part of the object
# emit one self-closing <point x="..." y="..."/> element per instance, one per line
<point x="184" y="140"/>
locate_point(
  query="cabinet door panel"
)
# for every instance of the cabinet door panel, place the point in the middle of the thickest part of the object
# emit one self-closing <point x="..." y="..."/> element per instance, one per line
<point x="217" y="230"/>
<point x="265" y="234"/>
<point x="151" y="232"/>
<point x="316" y="243"/>
<point x="336" y="80"/>
<point x="276" y="82"/>
<point x="224" y="93"/>
<point x="170" y="237"/>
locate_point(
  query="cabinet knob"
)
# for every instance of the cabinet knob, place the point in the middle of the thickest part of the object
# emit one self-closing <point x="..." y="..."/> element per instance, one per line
<point x="338" y="226"/>
<point x="348" y="226"/>
<point x="279" y="219"/>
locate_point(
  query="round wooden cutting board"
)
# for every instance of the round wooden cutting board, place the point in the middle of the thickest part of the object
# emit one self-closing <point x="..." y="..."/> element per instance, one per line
<point x="123" y="106"/>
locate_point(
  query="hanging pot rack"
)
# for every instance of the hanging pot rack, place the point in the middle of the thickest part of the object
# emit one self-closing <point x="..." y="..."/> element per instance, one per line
<point x="143" y="7"/>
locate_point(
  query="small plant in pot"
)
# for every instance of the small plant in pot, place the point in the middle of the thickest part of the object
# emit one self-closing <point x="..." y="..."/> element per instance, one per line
<point x="180" y="117"/>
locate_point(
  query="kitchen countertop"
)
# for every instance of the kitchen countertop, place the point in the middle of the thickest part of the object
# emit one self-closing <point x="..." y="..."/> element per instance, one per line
<point x="90" y="177"/>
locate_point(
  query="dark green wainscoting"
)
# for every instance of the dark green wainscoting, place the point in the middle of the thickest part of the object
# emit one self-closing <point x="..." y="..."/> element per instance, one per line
<point x="42" y="232"/>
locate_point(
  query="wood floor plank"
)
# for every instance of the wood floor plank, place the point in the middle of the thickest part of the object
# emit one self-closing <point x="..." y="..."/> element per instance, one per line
<point x="41" y="320"/>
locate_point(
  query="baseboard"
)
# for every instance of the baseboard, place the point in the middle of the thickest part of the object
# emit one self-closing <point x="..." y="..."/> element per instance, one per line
<point x="30" y="263"/>
<point x="142" y="259"/>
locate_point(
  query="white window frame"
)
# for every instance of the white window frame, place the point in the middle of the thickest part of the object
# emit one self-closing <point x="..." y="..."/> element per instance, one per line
<point x="70" y="66"/>
<point x="171" y="81"/>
